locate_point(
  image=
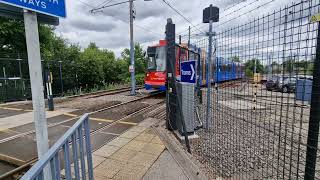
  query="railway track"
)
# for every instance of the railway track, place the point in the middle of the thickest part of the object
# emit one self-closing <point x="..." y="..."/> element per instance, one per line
<point x="104" y="92"/>
<point x="84" y="95"/>
<point x="144" y="110"/>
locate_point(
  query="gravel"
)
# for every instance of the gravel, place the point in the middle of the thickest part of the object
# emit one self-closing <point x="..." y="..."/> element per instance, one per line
<point x="247" y="143"/>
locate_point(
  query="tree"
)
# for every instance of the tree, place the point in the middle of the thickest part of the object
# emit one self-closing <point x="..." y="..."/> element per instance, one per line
<point x="289" y="65"/>
<point x="140" y="58"/>
<point x="12" y="39"/>
<point x="235" y="59"/>
<point x="13" y="43"/>
<point x="96" y="67"/>
<point x="140" y="64"/>
<point x="250" y="65"/>
<point x="93" y="66"/>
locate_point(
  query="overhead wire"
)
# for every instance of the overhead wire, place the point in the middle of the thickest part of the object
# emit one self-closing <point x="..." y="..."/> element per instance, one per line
<point x="229" y="7"/>
<point x="85" y="3"/>
<point x="106" y="6"/>
<point x="179" y="13"/>
<point x="233" y="5"/>
<point x="242" y="7"/>
<point x="138" y="26"/>
<point x="141" y="27"/>
<point x="106" y="2"/>
<point x="258" y="7"/>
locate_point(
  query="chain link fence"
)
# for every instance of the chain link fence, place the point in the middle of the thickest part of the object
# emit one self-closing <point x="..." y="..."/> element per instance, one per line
<point x="15" y="80"/>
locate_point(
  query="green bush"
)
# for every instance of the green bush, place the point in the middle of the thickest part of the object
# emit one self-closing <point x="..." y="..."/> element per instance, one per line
<point x="140" y="79"/>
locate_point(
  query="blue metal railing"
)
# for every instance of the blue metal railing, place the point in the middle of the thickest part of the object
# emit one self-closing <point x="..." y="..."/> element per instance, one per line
<point x="73" y="149"/>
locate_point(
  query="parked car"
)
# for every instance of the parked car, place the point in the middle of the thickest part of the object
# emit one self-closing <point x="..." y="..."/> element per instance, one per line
<point x="287" y="85"/>
<point x="272" y="83"/>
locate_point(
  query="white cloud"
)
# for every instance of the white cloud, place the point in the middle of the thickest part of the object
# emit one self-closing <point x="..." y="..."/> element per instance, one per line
<point x="110" y="28"/>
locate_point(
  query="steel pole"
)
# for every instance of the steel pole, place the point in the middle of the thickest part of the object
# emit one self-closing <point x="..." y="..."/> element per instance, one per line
<point x="60" y="74"/>
<point x="133" y="79"/>
<point x="21" y="77"/>
<point x="34" y="59"/>
<point x="314" y="119"/>
<point x="189" y="34"/>
<point x="209" y="76"/>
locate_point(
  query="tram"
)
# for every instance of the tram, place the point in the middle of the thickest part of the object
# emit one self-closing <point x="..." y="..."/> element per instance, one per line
<point x="222" y="69"/>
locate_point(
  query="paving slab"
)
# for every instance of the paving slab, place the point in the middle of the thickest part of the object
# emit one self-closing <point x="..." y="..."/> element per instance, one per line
<point x="129" y="156"/>
<point x="129" y="134"/>
<point x="144" y="159"/>
<point x="119" y="142"/>
<point x="7" y="112"/>
<point x="26" y="118"/>
<point x="100" y="139"/>
<point x="109" y="168"/>
<point x="97" y="160"/>
<point x="148" y="122"/>
<point x="145" y="137"/>
<point x="165" y="168"/>
<point x="154" y="149"/>
<point x="124" y="155"/>
<point x="131" y="172"/>
<point x="138" y="129"/>
<point x="135" y="145"/>
<point x="106" y="151"/>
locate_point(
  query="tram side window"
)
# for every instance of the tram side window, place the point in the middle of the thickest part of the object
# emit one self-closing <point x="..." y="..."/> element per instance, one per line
<point x="229" y="67"/>
<point x="214" y="67"/>
<point x="224" y="67"/>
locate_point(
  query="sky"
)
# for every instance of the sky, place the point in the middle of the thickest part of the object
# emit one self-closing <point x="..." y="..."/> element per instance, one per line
<point x="109" y="28"/>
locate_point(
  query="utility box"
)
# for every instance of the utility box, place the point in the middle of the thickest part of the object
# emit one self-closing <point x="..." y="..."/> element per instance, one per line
<point x="186" y="93"/>
<point x="304" y="90"/>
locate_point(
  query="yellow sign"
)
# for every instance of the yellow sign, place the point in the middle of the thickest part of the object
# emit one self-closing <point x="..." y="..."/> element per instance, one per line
<point x="315" y="18"/>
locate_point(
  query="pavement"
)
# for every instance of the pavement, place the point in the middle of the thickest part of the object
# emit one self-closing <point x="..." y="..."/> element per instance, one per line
<point x="137" y="154"/>
<point x="25" y="117"/>
<point x="133" y="150"/>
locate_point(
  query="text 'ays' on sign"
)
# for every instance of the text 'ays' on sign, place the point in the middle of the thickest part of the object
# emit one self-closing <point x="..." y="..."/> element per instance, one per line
<point x="188" y="72"/>
<point x="55" y="8"/>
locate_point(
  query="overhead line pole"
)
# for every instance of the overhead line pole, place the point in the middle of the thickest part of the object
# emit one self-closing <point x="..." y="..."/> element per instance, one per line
<point x="132" y="68"/>
<point x="132" y="63"/>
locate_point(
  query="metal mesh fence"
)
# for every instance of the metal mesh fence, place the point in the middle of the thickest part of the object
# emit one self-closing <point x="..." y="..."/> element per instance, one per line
<point x="15" y="80"/>
<point x="260" y="125"/>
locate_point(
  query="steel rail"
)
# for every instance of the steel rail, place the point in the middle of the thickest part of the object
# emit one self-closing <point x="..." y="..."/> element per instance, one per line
<point x="23" y="167"/>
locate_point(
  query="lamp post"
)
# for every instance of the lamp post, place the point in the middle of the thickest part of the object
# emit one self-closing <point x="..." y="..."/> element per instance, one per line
<point x="210" y="15"/>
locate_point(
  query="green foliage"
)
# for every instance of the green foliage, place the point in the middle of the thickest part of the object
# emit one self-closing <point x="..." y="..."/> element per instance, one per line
<point x="91" y="68"/>
<point x="249" y="67"/>
<point x="140" y="79"/>
<point x="235" y="59"/>
<point x="140" y="58"/>
<point x="298" y="67"/>
<point x="12" y="35"/>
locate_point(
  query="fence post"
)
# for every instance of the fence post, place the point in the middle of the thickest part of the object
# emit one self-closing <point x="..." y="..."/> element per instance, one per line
<point x="208" y="117"/>
<point x="60" y="74"/>
<point x="170" y="98"/>
<point x="173" y="101"/>
<point x="314" y="120"/>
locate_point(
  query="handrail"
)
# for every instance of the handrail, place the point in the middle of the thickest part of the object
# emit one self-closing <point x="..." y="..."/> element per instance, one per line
<point x="73" y="137"/>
